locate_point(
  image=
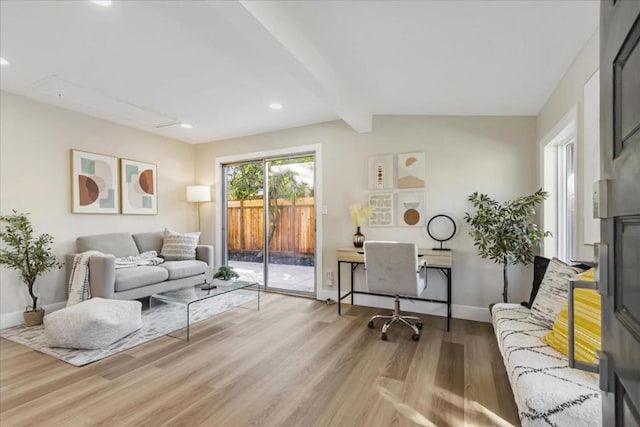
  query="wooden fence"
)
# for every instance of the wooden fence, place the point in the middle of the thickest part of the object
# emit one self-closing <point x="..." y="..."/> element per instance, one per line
<point x="294" y="231"/>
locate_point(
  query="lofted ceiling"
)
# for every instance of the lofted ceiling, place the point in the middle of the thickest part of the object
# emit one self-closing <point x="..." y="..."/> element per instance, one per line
<point x="217" y="65"/>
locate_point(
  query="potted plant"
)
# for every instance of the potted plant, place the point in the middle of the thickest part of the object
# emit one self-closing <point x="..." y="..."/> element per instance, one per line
<point x="30" y="256"/>
<point x="505" y="233"/>
<point x="226" y="272"/>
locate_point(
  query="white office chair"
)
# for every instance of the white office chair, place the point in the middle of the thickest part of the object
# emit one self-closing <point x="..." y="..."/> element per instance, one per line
<point x="392" y="268"/>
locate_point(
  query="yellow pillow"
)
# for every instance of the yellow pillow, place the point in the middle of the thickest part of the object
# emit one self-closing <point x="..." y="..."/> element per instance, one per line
<point x="587" y="330"/>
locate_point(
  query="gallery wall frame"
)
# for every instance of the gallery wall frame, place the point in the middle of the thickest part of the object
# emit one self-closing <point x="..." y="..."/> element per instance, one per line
<point x="380" y="172"/>
<point x="139" y="187"/>
<point x="411" y="170"/>
<point x="94" y="183"/>
<point x="383" y="209"/>
<point x="411" y="209"/>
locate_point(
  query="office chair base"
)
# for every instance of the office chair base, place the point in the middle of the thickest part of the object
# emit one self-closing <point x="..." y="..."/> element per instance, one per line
<point x="397" y="317"/>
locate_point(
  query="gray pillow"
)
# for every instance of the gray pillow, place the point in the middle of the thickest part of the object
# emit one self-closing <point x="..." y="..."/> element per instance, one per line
<point x="179" y="246"/>
<point x="553" y="293"/>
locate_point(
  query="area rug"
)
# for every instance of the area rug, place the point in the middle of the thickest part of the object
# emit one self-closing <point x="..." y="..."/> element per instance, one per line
<point x="155" y="323"/>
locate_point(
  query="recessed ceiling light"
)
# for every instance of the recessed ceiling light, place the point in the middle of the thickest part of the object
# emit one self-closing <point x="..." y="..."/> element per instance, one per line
<point x="275" y="106"/>
<point x="186" y="125"/>
<point x="102" y="2"/>
<point x="3" y="61"/>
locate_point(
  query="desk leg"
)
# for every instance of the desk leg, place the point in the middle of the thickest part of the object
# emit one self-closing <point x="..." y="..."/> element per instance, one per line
<point x="353" y="267"/>
<point x="449" y="301"/>
<point x="339" y="293"/>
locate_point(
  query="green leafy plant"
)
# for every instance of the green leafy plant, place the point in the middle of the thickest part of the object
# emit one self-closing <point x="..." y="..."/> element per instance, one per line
<point x="505" y="233"/>
<point x="30" y="256"/>
<point x="226" y="272"/>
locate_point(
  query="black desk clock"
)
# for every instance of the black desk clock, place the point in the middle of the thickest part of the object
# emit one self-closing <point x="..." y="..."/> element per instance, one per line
<point x="441" y="228"/>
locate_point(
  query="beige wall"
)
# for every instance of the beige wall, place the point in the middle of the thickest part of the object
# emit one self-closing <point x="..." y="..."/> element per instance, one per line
<point x="496" y="155"/>
<point x="35" y="139"/>
<point x="569" y="93"/>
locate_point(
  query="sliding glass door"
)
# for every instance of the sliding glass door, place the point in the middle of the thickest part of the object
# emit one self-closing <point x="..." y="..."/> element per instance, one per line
<point x="270" y="204"/>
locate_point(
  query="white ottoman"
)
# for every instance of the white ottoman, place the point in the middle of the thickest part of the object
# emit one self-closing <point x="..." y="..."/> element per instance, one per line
<point x="92" y="324"/>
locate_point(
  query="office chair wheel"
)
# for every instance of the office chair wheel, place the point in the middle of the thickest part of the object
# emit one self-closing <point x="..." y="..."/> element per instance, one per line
<point x="419" y="325"/>
<point x="384" y="336"/>
<point x="415" y="337"/>
<point x="370" y="324"/>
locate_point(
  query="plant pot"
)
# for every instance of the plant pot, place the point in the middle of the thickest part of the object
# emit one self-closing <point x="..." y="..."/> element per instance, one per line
<point x="33" y="318"/>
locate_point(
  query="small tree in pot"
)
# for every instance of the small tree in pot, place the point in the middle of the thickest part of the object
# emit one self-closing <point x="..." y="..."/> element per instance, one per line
<point x="506" y="233"/>
<point x="30" y="256"/>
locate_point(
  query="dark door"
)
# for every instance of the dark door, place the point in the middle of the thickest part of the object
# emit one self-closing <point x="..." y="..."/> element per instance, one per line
<point x="620" y="159"/>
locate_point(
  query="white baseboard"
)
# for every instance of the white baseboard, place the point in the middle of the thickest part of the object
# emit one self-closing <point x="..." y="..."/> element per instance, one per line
<point x="10" y="320"/>
<point x="468" y="312"/>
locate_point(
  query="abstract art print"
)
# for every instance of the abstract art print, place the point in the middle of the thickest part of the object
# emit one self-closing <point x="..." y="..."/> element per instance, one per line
<point x="411" y="170"/>
<point x="382" y="215"/>
<point x="139" y="183"/>
<point x="94" y="183"/>
<point x="380" y="172"/>
<point x="411" y="209"/>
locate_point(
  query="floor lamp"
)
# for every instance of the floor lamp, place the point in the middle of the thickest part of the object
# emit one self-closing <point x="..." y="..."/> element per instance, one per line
<point x="198" y="194"/>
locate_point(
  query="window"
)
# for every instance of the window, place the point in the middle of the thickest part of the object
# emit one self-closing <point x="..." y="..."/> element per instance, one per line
<point x="559" y="170"/>
<point x="566" y="200"/>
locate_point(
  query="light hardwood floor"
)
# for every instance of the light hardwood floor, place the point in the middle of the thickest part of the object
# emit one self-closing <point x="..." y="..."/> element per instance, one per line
<point x="294" y="363"/>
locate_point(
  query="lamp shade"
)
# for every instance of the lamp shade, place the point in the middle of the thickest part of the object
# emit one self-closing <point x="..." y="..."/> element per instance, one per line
<point x="198" y="193"/>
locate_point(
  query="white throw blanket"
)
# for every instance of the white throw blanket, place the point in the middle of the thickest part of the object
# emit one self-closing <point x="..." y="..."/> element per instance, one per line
<point x="145" y="258"/>
<point x="79" y="289"/>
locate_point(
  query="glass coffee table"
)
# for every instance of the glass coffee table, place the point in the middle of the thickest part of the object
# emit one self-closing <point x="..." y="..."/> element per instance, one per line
<point x="173" y="311"/>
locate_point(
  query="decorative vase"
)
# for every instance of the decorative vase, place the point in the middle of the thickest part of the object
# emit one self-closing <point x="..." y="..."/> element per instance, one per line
<point x="33" y="318"/>
<point x="358" y="239"/>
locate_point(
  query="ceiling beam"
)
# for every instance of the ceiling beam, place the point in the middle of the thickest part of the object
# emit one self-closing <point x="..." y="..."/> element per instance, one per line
<point x="275" y="34"/>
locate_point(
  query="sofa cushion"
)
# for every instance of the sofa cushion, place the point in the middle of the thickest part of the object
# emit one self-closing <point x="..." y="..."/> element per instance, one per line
<point x="149" y="241"/>
<point x="117" y="244"/>
<point x="587" y="327"/>
<point x="546" y="391"/>
<point x="553" y="292"/>
<point x="178" y="247"/>
<point x="182" y="269"/>
<point x="540" y="265"/>
<point x="137" y="277"/>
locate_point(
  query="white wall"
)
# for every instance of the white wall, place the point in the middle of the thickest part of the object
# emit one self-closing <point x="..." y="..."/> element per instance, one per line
<point x="567" y="94"/>
<point x="496" y="155"/>
<point x="35" y="140"/>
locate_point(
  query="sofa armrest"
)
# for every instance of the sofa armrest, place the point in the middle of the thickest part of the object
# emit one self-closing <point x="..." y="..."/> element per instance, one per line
<point x="205" y="253"/>
<point x="102" y="276"/>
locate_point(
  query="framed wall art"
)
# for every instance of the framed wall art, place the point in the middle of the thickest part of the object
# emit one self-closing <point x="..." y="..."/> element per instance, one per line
<point x="411" y="209"/>
<point x="382" y="215"/>
<point x="94" y="183"/>
<point x="411" y="170"/>
<point x="139" y="187"/>
<point x="380" y="172"/>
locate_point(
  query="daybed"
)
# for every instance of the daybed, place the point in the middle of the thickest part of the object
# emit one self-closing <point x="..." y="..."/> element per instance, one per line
<point x="546" y="390"/>
<point x="141" y="281"/>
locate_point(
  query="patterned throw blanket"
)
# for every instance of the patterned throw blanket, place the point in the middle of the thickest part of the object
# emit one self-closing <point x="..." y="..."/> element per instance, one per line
<point x="78" y="285"/>
<point x="145" y="258"/>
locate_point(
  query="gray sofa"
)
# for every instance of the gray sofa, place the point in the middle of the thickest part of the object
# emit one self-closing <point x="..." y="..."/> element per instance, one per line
<point x="141" y="281"/>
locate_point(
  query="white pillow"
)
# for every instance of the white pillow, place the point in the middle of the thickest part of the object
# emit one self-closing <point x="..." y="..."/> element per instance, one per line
<point x="553" y="293"/>
<point x="179" y="247"/>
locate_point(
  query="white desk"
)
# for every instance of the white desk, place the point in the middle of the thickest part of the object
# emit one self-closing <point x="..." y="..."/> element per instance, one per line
<point x="440" y="260"/>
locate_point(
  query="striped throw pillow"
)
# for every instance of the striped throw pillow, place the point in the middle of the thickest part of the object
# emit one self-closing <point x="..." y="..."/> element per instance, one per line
<point x="553" y="293"/>
<point x="587" y="329"/>
<point x="179" y="246"/>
